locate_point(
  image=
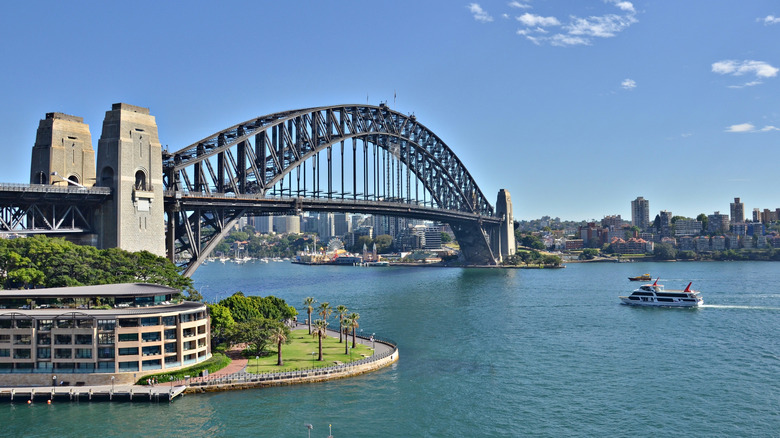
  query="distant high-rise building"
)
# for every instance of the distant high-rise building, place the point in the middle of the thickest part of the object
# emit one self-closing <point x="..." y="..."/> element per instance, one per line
<point x="717" y="223"/>
<point x="342" y="224"/>
<point x="665" y="224"/>
<point x="737" y="211"/>
<point x="264" y="224"/>
<point x="640" y="213"/>
<point x="287" y="224"/>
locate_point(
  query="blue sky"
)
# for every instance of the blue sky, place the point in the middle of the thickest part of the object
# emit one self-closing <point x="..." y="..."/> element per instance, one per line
<point x="576" y="107"/>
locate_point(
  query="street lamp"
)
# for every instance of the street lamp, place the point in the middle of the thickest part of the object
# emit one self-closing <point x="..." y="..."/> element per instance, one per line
<point x="112" y="384"/>
<point x="257" y="364"/>
<point x="53" y="380"/>
<point x="373" y="342"/>
<point x="310" y="427"/>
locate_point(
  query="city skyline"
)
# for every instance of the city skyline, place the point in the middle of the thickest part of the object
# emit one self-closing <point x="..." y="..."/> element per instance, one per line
<point x="575" y="108"/>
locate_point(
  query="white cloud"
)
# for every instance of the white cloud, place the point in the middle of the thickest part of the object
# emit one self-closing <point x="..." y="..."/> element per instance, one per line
<point x="519" y="5"/>
<point x="562" y="40"/>
<point x="769" y="20"/>
<point x="578" y="31"/>
<point x="623" y="5"/>
<point x="604" y="27"/>
<point x="505" y="16"/>
<point x="628" y="84"/>
<point x="730" y="67"/>
<point x="749" y="127"/>
<point x="480" y="14"/>
<point x="531" y="20"/>
<point x="742" y="127"/>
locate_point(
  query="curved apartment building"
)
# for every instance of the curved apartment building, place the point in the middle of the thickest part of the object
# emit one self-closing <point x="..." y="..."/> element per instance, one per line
<point x="98" y="334"/>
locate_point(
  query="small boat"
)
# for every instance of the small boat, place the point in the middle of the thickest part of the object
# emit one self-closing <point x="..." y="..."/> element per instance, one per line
<point x="643" y="277"/>
<point x="656" y="296"/>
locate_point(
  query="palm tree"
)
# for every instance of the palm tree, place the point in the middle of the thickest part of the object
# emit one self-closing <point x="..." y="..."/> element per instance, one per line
<point x="279" y="335"/>
<point x="320" y="331"/>
<point x="308" y="303"/>
<point x="342" y="311"/>
<point x="353" y="318"/>
<point x="325" y="310"/>
<point x="347" y="323"/>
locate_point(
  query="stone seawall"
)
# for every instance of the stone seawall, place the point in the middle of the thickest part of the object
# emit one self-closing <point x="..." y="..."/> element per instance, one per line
<point x="293" y="378"/>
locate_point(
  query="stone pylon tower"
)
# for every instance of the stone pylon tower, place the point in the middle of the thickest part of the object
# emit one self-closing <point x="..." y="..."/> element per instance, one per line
<point x="130" y="163"/>
<point x="63" y="151"/>
<point x="507" y="245"/>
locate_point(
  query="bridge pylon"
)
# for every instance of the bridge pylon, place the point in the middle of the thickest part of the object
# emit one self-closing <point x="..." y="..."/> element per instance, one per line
<point x="130" y="163"/>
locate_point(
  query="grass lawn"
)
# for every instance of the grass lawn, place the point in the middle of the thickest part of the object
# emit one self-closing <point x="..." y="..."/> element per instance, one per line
<point x="298" y="354"/>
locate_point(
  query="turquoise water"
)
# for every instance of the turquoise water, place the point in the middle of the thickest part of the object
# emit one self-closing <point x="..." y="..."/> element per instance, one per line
<point x="494" y="353"/>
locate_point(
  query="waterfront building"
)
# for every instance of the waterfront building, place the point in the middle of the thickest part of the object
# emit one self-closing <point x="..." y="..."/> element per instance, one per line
<point x="686" y="243"/>
<point x="737" y="211"/>
<point x="687" y="227"/>
<point x="640" y="213"/>
<point x="342" y="224"/>
<point x="717" y="223"/>
<point x="263" y="224"/>
<point x="665" y="224"/>
<point x="287" y="224"/>
<point x="718" y="243"/>
<point x="702" y="243"/>
<point x="93" y="333"/>
<point x="432" y="237"/>
<point x="740" y="229"/>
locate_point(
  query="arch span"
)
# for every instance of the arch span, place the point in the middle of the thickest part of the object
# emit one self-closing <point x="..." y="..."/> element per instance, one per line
<point x="377" y="158"/>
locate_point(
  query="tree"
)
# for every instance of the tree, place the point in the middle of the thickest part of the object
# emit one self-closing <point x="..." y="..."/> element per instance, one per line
<point x="588" y="254"/>
<point x="347" y="325"/>
<point x="255" y="332"/>
<point x="280" y="334"/>
<point x="222" y="321"/>
<point x="664" y="251"/>
<point x="383" y="243"/>
<point x="445" y="238"/>
<point x="704" y="221"/>
<point x="320" y="331"/>
<point x="325" y="310"/>
<point x="342" y="311"/>
<point x="353" y="324"/>
<point x="308" y="303"/>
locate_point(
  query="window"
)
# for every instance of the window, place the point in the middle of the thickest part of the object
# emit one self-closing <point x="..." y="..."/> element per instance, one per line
<point x="187" y="317"/>
<point x="106" y="325"/>
<point x="128" y="322"/>
<point x="127" y="337"/>
<point x="83" y="353"/>
<point x="169" y="320"/>
<point x="130" y="351"/>
<point x="44" y="339"/>
<point x="189" y="345"/>
<point x="140" y="180"/>
<point x="146" y="322"/>
<point x="6" y="323"/>
<point x="63" y="339"/>
<point x="170" y="348"/>
<point x="201" y="329"/>
<point x="44" y="324"/>
<point x="64" y="323"/>
<point x="151" y="351"/>
<point x="128" y="366"/>
<point x="63" y="353"/>
<point x="5" y="352"/>
<point x="22" y="339"/>
<point x="22" y="353"/>
<point x="24" y="323"/>
<point x="189" y="332"/>
<point x="105" y="338"/>
<point x="170" y="334"/>
<point x="84" y="323"/>
<point x="151" y="337"/>
<point x="105" y="352"/>
<point x="5" y="339"/>
<point x="44" y="353"/>
<point x="83" y="339"/>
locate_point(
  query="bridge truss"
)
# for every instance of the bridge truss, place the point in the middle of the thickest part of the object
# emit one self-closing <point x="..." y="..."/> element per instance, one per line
<point x="355" y="158"/>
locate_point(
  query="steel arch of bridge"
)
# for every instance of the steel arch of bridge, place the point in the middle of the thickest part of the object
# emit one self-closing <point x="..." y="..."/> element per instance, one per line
<point x="248" y="163"/>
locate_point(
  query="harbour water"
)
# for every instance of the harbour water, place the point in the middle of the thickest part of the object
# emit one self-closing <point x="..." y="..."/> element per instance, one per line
<point x="493" y="352"/>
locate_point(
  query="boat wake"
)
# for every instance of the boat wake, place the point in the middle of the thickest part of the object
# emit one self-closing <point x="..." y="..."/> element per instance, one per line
<point x="727" y="306"/>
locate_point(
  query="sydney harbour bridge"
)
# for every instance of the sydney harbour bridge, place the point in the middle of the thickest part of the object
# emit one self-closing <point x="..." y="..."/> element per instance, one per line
<point x="343" y="158"/>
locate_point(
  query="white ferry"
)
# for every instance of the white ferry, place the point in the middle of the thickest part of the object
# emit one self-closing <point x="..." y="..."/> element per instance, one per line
<point x="655" y="295"/>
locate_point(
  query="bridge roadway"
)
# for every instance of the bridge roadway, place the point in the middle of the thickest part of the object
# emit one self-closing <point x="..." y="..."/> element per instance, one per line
<point x="295" y="205"/>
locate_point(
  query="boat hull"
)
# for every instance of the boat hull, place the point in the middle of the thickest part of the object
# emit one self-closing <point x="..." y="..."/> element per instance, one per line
<point x="629" y="302"/>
